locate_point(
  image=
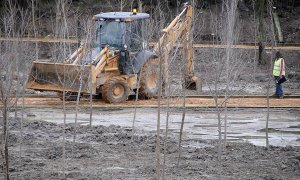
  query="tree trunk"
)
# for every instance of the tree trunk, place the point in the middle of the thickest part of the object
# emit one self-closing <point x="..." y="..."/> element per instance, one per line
<point x="157" y="149"/>
<point x="77" y="108"/>
<point x="268" y="114"/>
<point x="64" y="137"/>
<point x="225" y="124"/>
<point x="268" y="102"/>
<point x="219" y="131"/>
<point x="5" y="140"/>
<point x="167" y="128"/>
<point x="181" y="125"/>
<point x="220" y="139"/>
<point x="255" y="39"/>
<point x="34" y="28"/>
<point x="91" y="102"/>
<point x="261" y="32"/>
<point x="135" y="104"/>
<point x="64" y="128"/>
<point x="21" y="126"/>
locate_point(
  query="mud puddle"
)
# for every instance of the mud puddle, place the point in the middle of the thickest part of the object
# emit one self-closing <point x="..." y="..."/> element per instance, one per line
<point x="244" y="125"/>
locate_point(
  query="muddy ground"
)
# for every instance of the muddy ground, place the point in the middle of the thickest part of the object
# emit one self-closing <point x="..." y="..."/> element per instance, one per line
<point x="244" y="124"/>
<point x="113" y="152"/>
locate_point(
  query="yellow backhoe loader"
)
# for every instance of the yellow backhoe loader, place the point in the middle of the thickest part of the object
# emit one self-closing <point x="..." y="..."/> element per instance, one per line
<point x="117" y="58"/>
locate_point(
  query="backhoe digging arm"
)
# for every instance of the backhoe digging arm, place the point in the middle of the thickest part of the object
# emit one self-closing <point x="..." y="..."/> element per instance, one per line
<point x="180" y="27"/>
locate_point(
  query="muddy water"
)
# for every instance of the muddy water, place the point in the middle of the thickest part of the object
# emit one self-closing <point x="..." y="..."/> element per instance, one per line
<point x="244" y="125"/>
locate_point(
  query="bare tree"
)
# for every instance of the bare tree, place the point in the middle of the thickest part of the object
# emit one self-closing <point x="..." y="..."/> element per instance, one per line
<point x="231" y="20"/>
<point x="223" y="68"/>
<point x="269" y="68"/>
<point x="62" y="31"/>
<point x="11" y="73"/>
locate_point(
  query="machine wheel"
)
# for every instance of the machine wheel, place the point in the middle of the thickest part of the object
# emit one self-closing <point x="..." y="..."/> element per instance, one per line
<point x="115" y="90"/>
<point x="69" y="96"/>
<point x="149" y="83"/>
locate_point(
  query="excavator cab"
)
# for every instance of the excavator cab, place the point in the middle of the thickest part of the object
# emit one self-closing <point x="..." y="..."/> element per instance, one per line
<point x="122" y="32"/>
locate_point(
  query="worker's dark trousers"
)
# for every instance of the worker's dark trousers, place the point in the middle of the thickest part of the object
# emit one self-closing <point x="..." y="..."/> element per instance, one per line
<point x="279" y="90"/>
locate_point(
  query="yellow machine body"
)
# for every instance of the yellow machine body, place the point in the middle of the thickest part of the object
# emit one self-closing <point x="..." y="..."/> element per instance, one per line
<point x="97" y="71"/>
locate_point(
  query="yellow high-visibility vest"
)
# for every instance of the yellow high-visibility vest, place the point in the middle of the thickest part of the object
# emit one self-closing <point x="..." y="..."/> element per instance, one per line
<point x="277" y="65"/>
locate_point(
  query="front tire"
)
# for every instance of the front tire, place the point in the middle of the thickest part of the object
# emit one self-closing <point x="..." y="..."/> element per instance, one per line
<point x="115" y="90"/>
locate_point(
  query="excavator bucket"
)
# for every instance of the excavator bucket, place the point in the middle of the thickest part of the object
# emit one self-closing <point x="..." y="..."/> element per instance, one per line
<point x="60" y="77"/>
<point x="193" y="83"/>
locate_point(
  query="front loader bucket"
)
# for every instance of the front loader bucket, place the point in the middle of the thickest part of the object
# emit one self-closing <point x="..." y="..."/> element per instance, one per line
<point x="60" y="77"/>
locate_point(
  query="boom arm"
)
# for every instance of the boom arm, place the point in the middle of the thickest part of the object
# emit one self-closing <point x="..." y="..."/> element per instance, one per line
<point x="180" y="27"/>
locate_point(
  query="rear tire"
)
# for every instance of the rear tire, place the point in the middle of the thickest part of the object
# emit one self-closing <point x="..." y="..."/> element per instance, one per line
<point x="149" y="82"/>
<point x="115" y="90"/>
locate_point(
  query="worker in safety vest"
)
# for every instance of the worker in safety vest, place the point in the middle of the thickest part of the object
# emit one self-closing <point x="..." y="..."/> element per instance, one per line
<point x="279" y="73"/>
